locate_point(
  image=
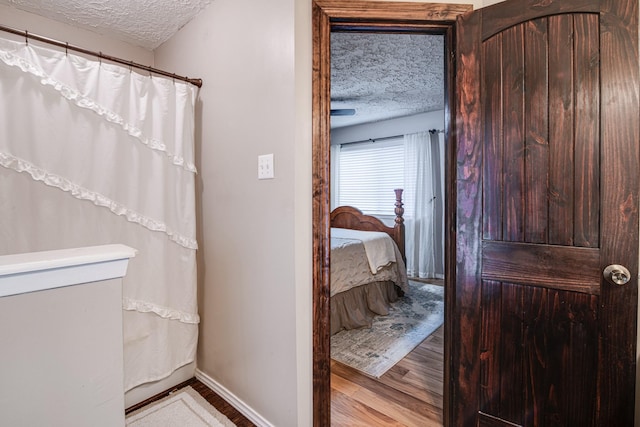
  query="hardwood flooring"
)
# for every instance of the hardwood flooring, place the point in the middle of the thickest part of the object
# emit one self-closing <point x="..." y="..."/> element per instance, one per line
<point x="409" y="394"/>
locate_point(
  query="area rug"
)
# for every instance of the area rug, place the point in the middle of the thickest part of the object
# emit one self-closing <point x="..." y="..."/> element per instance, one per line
<point x="181" y="409"/>
<point x="411" y="319"/>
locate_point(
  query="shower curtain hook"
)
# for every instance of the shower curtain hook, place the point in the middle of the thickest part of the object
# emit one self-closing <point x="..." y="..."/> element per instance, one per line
<point x="26" y="37"/>
<point x="66" y="49"/>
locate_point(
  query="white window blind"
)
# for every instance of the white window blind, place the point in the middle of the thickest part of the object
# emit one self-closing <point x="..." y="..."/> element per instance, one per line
<point x="368" y="174"/>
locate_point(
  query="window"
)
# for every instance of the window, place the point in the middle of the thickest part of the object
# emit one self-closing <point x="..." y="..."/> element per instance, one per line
<point x="368" y="173"/>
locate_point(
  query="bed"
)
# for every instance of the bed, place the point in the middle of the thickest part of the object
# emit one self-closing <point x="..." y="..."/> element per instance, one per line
<point x="367" y="266"/>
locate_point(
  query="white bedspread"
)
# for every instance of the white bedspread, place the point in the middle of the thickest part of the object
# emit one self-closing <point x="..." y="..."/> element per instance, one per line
<point x="350" y="266"/>
<point x="378" y="246"/>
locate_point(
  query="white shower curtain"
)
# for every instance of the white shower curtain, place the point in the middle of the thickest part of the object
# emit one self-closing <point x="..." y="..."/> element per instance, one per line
<point x="92" y="153"/>
<point x="423" y="196"/>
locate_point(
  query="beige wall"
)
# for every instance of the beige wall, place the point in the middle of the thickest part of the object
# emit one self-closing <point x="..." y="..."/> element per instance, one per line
<point x="252" y="233"/>
<point x="255" y="236"/>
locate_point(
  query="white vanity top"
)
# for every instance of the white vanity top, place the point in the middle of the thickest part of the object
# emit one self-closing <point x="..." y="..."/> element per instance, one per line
<point x="37" y="271"/>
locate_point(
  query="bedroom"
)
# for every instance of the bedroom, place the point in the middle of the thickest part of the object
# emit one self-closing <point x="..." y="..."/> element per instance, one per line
<point x="497" y="114"/>
<point x="387" y="94"/>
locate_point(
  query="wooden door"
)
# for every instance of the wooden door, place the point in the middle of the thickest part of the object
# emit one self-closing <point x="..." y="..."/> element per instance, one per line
<point x="546" y="196"/>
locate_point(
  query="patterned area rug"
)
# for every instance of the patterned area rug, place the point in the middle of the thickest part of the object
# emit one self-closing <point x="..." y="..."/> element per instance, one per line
<point x="183" y="408"/>
<point x="411" y="319"/>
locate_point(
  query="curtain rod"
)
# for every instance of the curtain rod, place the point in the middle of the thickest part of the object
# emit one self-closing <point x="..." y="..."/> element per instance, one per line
<point x="27" y="35"/>
<point x="384" y="138"/>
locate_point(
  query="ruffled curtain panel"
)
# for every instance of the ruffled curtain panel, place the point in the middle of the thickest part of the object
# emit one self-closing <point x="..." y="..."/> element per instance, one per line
<point x="93" y="153"/>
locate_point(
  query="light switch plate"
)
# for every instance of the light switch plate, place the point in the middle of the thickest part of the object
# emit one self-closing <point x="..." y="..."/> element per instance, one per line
<point x="265" y="166"/>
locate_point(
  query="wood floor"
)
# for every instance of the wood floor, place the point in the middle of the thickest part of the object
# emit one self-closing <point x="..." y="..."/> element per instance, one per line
<point x="409" y="394"/>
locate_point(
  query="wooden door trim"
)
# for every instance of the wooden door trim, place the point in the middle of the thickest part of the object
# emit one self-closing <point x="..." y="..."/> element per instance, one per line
<point x="440" y="17"/>
<point x="464" y="266"/>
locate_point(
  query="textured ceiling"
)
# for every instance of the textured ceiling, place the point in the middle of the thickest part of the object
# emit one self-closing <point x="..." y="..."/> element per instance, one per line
<point x="385" y="76"/>
<point x="381" y="76"/>
<point x="145" y="23"/>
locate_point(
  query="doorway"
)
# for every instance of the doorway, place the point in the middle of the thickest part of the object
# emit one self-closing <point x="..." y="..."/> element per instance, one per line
<point x="363" y="16"/>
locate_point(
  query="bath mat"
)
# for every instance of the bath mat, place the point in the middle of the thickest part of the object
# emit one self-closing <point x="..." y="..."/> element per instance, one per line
<point x="183" y="408"/>
<point x="411" y="319"/>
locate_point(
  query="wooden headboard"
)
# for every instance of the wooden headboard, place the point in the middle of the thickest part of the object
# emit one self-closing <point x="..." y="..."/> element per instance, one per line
<point x="354" y="219"/>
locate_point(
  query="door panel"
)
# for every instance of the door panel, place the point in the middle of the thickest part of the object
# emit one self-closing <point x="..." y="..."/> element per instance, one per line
<point x="546" y="197"/>
<point x="539" y="354"/>
<point x="519" y="143"/>
<point x="561" y="83"/>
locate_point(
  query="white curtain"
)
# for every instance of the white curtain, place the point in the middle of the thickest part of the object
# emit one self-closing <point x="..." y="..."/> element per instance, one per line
<point x="335" y="175"/>
<point x="92" y="153"/>
<point x="423" y="197"/>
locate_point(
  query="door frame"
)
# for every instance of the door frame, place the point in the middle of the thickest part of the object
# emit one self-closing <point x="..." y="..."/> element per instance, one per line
<point x="438" y="18"/>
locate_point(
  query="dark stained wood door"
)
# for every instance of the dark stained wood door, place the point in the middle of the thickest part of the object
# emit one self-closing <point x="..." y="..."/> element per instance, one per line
<point x="546" y="179"/>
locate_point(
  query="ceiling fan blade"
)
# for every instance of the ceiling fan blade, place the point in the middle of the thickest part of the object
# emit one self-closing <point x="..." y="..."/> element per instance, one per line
<point x="343" y="112"/>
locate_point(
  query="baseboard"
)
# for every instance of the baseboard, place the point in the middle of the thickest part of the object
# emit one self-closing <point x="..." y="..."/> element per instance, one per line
<point x="233" y="400"/>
